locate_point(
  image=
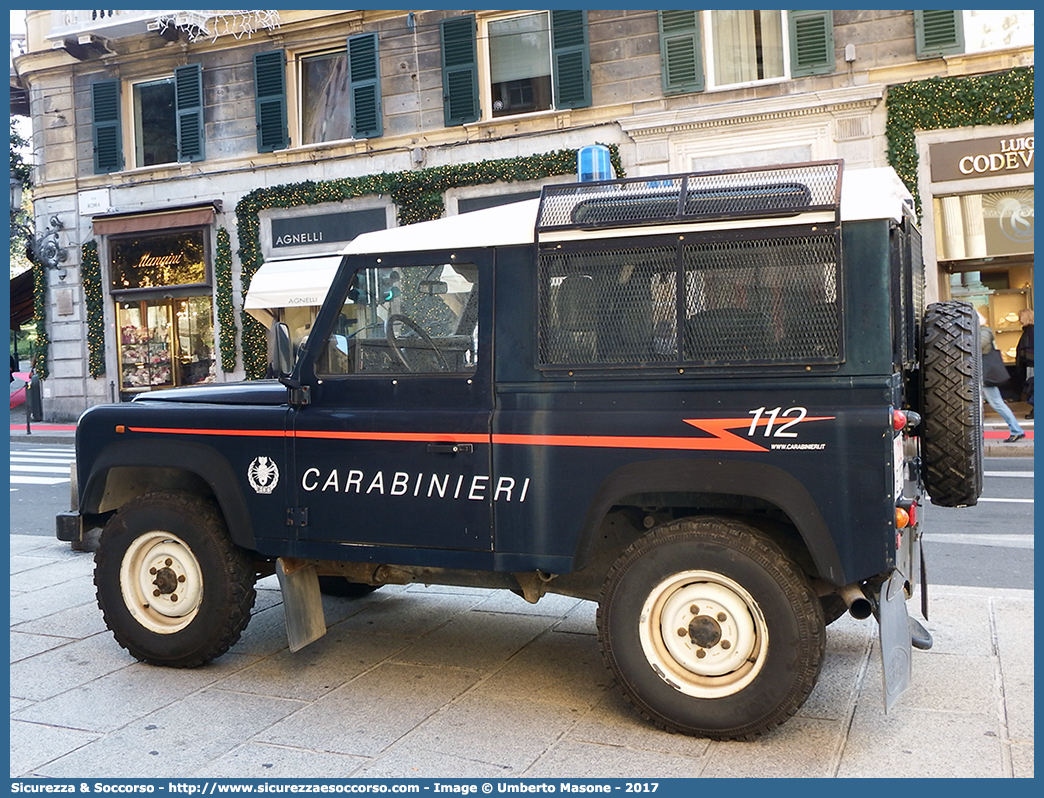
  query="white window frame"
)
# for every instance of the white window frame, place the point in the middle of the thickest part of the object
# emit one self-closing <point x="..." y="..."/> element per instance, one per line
<point x="131" y="131"/>
<point x="706" y="23"/>
<point x="295" y="94"/>
<point x="486" y="73"/>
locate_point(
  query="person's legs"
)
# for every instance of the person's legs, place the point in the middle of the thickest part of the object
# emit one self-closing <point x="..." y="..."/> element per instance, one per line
<point x="992" y="394"/>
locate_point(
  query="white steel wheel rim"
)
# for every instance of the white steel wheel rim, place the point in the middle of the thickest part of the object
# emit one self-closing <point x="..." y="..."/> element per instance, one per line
<point x="161" y="582"/>
<point x="703" y="634"/>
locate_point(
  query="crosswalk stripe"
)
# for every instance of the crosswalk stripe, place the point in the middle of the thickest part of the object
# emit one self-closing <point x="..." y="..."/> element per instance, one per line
<point x="25" y="479"/>
<point x="41" y="469"/>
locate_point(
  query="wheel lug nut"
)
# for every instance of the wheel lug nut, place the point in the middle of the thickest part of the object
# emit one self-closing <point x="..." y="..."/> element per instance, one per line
<point x="173" y="596"/>
<point x="726" y="644"/>
<point x="155" y="592"/>
<point x="152" y="571"/>
<point x="169" y="562"/>
<point x="700" y="653"/>
<point x="181" y="578"/>
<point x="694" y="609"/>
<point x="722" y="616"/>
<point x="682" y="632"/>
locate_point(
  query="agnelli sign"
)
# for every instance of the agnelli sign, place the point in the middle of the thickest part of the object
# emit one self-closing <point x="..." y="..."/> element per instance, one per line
<point x="992" y="157"/>
<point x="327" y="228"/>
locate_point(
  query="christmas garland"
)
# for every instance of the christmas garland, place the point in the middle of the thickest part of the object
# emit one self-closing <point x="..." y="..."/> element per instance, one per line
<point x="90" y="277"/>
<point x="223" y="297"/>
<point x="41" y="347"/>
<point x="1003" y="98"/>
<point x="418" y="195"/>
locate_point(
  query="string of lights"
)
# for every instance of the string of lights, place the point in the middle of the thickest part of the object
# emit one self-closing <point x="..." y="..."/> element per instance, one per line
<point x="226" y="312"/>
<point x="90" y="277"/>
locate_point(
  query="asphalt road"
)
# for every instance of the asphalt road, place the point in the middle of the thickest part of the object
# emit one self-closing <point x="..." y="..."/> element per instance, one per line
<point x="990" y="545"/>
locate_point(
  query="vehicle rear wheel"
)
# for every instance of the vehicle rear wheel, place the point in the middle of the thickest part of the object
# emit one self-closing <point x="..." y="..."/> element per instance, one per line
<point x="173" y="588"/>
<point x="710" y="629"/>
<point x="339" y="586"/>
<point x="951" y="399"/>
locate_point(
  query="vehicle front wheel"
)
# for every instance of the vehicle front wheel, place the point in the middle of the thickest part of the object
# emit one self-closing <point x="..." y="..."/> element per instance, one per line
<point x="173" y="588"/>
<point x="710" y="629"/>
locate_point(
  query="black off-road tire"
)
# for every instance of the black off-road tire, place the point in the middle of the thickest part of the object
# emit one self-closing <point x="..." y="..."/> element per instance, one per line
<point x="681" y="586"/>
<point x="951" y="397"/>
<point x="173" y="588"/>
<point x="339" y="586"/>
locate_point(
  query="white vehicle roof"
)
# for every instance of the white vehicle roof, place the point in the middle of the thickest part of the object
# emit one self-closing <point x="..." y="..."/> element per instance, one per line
<point x="865" y="194"/>
<point x="502" y="225"/>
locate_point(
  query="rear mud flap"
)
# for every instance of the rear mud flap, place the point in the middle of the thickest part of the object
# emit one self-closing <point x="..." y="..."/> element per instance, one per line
<point x="896" y="651"/>
<point x="302" y="603"/>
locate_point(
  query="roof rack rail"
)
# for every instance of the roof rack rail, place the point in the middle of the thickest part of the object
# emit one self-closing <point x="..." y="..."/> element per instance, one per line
<point x="699" y="196"/>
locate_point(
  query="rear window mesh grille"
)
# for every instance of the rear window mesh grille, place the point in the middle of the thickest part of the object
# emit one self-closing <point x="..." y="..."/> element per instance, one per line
<point x="773" y="300"/>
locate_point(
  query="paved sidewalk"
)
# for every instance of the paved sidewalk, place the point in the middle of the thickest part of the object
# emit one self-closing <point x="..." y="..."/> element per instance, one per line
<point x="414" y="682"/>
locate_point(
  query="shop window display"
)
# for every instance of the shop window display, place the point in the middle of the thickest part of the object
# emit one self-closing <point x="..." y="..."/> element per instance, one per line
<point x="165" y="342"/>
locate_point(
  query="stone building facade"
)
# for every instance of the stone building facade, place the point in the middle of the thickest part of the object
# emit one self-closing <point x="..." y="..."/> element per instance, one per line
<point x="182" y="151"/>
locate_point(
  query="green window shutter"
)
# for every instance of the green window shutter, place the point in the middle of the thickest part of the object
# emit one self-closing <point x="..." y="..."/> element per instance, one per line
<point x="364" y="93"/>
<point x="459" y="71"/>
<point x="270" y="101"/>
<point x="188" y="91"/>
<point x="811" y="43"/>
<point x="105" y="118"/>
<point x="570" y="59"/>
<point x="680" y="54"/>
<point x="938" y="33"/>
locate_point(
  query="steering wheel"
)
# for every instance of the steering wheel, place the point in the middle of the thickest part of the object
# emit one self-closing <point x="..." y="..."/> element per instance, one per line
<point x="389" y="331"/>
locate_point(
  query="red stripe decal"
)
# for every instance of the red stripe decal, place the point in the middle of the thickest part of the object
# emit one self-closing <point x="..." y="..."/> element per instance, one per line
<point x="721" y="439"/>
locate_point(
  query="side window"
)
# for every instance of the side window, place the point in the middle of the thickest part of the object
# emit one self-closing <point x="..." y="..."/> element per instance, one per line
<point x="406" y="320"/>
<point x="755" y="301"/>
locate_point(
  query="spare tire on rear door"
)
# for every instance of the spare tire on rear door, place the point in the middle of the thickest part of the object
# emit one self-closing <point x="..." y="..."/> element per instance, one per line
<point x="951" y="404"/>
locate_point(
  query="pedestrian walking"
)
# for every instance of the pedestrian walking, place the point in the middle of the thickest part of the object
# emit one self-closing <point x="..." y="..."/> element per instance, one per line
<point x="994" y="375"/>
<point x="1024" y="356"/>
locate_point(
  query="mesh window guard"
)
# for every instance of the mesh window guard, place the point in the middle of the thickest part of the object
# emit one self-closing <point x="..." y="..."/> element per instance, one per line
<point x="772" y="300"/>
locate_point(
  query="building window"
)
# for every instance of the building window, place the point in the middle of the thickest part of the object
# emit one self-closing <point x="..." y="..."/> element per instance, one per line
<point x="155" y="122"/>
<point x="323" y="96"/>
<point x="166" y="118"/>
<point x="745" y="46"/>
<point x="721" y="49"/>
<point x="143" y="262"/>
<point x="164" y="315"/>
<point x="338" y="95"/>
<point x="165" y="342"/>
<point x="938" y="33"/>
<point x="532" y="62"/>
<point x="520" y="65"/>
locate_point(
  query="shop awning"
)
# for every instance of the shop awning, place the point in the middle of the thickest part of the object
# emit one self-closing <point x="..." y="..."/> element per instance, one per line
<point x="291" y="282"/>
<point x="172" y="217"/>
<point x="21" y="299"/>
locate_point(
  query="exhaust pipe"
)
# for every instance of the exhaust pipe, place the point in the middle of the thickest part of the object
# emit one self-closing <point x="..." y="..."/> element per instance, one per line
<point x="859" y="606"/>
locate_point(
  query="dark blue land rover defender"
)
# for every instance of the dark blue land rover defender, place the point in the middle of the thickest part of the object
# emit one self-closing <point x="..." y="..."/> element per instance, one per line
<point x="712" y="403"/>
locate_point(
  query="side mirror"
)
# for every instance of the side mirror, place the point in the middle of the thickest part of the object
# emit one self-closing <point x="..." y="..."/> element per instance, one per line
<point x="280" y="352"/>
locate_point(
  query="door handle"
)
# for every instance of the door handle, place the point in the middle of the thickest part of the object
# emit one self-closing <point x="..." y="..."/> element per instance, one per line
<point x="450" y="448"/>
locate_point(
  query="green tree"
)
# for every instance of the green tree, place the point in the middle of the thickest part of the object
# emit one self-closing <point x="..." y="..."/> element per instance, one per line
<point x="20" y="170"/>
